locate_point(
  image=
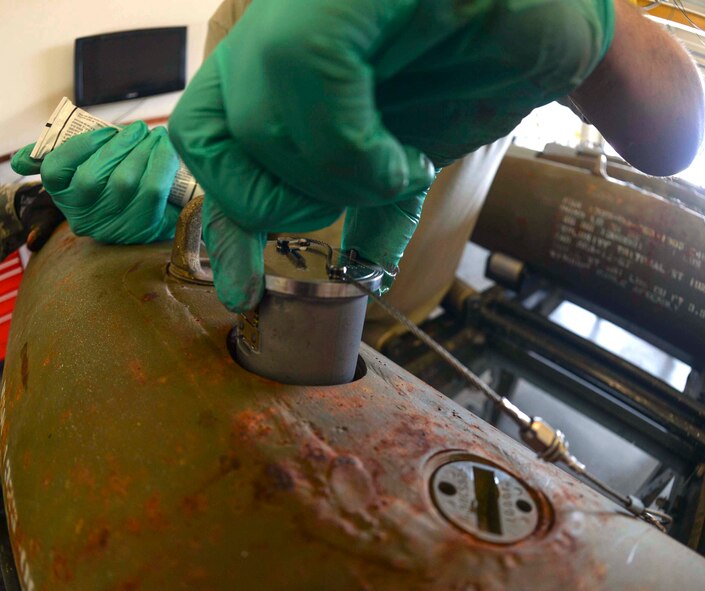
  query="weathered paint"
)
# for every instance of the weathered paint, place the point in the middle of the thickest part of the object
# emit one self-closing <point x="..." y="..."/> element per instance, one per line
<point x="138" y="455"/>
<point x="638" y="254"/>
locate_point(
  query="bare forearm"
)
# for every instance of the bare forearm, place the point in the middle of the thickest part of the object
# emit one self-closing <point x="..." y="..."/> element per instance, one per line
<point x="646" y="96"/>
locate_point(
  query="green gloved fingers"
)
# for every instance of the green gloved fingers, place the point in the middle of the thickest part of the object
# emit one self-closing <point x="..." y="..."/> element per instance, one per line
<point x="134" y="207"/>
<point x="123" y="164"/>
<point x="84" y="164"/>
<point x="381" y="234"/>
<point x="237" y="258"/>
<point x="22" y="163"/>
<point x="252" y="197"/>
<point x="114" y="187"/>
<point x="111" y="185"/>
<point x="150" y="209"/>
<point x="60" y="166"/>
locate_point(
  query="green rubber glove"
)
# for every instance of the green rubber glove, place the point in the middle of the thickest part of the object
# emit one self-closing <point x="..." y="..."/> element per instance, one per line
<point x="381" y="234"/>
<point x="111" y="185"/>
<point x="236" y="257"/>
<point x="309" y="106"/>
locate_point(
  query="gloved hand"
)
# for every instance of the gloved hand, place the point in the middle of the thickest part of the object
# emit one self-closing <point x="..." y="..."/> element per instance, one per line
<point x="311" y="105"/>
<point x="111" y="185"/>
<point x="235" y="229"/>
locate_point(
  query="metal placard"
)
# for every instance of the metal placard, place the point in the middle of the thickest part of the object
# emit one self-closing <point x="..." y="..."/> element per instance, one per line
<point x="485" y="501"/>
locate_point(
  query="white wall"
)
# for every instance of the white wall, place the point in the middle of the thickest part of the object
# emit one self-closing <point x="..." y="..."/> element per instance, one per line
<point x="36" y="54"/>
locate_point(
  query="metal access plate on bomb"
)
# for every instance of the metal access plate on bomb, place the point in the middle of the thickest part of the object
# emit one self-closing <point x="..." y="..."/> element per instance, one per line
<point x="485" y="501"/>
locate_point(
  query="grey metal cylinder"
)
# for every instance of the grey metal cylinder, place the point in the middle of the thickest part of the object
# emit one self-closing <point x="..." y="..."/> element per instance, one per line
<point x="308" y="327"/>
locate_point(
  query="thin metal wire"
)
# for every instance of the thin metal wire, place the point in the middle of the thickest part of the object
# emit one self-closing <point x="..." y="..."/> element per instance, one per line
<point x="448" y="357"/>
<point x="656" y="518"/>
<point x="677" y="5"/>
<point x="683" y="10"/>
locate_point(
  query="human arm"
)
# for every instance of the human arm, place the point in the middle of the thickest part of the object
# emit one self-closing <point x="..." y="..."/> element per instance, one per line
<point x="645" y="96"/>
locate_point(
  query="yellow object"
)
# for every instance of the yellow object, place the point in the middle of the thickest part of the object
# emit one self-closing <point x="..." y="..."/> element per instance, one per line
<point x="673" y="13"/>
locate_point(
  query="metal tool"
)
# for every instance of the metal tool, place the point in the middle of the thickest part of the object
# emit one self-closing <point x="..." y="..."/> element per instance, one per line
<point x="550" y="444"/>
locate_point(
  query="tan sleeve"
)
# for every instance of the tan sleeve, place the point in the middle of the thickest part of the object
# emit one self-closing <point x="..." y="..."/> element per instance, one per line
<point x="226" y="15"/>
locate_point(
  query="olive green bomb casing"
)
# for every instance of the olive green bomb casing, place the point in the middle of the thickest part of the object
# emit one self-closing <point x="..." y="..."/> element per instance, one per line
<point x="137" y="454"/>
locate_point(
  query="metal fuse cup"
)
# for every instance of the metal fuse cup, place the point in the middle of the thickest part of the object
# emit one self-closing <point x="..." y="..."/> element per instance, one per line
<point x="308" y="327"/>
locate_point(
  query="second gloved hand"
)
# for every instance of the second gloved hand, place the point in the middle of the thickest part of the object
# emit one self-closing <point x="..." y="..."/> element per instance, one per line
<point x="111" y="185"/>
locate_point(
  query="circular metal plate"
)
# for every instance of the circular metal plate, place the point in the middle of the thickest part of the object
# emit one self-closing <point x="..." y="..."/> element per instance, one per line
<point x="484" y="501"/>
<point x="304" y="272"/>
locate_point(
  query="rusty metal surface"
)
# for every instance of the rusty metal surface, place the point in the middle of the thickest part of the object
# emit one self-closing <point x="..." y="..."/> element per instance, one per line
<point x="137" y="455"/>
<point x="636" y="254"/>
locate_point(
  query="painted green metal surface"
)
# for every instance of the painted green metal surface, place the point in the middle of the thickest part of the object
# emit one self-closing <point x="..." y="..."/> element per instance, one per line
<point x="137" y="455"/>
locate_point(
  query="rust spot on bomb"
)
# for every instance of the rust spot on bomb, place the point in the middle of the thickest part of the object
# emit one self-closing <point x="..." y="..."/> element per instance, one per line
<point x="137" y="372"/>
<point x="228" y="463"/>
<point x="83" y="477"/>
<point x="66" y="243"/>
<point x="412" y="435"/>
<point x="314" y="453"/>
<point x="193" y="504"/>
<point x="249" y="425"/>
<point x="207" y="419"/>
<point x="25" y="366"/>
<point x="118" y="484"/>
<point x="60" y="568"/>
<point x="98" y="540"/>
<point x="154" y="513"/>
<point x="150" y="296"/>
<point x="134" y="267"/>
<point x="133" y="525"/>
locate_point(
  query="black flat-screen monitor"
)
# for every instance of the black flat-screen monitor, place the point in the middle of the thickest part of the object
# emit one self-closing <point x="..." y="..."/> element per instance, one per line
<point x="129" y="64"/>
